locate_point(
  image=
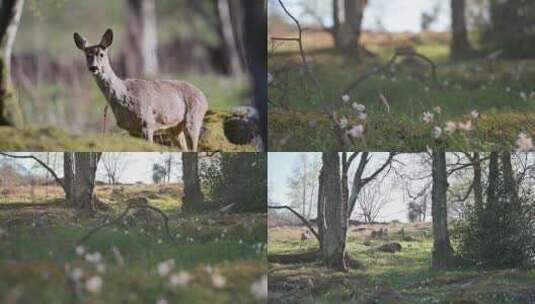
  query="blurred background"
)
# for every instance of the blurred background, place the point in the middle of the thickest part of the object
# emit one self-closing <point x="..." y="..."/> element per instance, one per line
<point x="197" y="41"/>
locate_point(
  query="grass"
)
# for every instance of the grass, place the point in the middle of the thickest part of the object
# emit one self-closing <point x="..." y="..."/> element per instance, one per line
<point x="403" y="277"/>
<point x="501" y="91"/>
<point x="56" y="139"/>
<point x="37" y="252"/>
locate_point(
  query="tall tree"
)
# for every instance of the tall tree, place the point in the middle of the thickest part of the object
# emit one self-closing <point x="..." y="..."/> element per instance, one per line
<point x="192" y="185"/>
<point x="80" y="176"/>
<point x="141" y="52"/>
<point x="442" y="257"/>
<point x="114" y="164"/>
<point x="10" y="13"/>
<point x="459" y="43"/>
<point x="347" y="34"/>
<point x="228" y="37"/>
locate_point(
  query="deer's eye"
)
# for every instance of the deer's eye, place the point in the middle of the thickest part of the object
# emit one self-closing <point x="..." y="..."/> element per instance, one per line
<point x="101" y="55"/>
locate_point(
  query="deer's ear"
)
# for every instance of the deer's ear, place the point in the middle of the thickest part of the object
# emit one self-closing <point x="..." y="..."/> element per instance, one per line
<point x="107" y="39"/>
<point x="80" y="41"/>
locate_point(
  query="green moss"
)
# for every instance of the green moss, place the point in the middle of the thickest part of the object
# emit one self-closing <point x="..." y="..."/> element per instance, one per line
<point x="10" y="111"/>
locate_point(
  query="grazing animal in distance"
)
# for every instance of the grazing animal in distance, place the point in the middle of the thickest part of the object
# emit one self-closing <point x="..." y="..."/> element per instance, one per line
<point x="147" y="107"/>
<point x="305" y="236"/>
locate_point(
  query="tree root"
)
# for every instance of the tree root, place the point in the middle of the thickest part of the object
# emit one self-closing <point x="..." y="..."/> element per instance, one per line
<point x="310" y="257"/>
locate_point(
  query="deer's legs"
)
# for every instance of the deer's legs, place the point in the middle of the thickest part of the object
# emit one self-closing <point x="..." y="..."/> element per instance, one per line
<point x="148" y="133"/>
<point x="193" y="130"/>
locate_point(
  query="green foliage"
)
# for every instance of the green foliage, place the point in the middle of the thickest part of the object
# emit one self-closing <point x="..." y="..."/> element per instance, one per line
<point x="501" y="234"/>
<point x="240" y="179"/>
<point x="512" y="29"/>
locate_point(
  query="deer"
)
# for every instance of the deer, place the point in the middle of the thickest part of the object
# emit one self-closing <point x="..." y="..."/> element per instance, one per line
<point x="305" y="236"/>
<point x="147" y="107"/>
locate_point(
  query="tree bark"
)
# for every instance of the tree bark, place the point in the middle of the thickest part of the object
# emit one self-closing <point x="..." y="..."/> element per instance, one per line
<point x="192" y="186"/>
<point x="478" y="191"/>
<point x="335" y="214"/>
<point x="141" y="51"/>
<point x="349" y="32"/>
<point x="85" y="169"/>
<point x="442" y="257"/>
<point x="493" y="178"/>
<point x="228" y="38"/>
<point x="68" y="175"/>
<point x="509" y="179"/>
<point x="10" y="111"/>
<point x="460" y="46"/>
<point x="255" y="28"/>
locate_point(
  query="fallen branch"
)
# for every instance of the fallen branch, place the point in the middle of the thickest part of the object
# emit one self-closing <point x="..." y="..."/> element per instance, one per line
<point x="303" y="219"/>
<point x="122" y="215"/>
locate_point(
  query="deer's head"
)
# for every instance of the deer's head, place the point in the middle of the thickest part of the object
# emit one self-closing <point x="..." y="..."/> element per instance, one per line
<point x="96" y="55"/>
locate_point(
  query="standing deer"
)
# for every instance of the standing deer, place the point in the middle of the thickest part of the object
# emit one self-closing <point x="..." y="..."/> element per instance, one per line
<point x="305" y="236"/>
<point x="143" y="107"/>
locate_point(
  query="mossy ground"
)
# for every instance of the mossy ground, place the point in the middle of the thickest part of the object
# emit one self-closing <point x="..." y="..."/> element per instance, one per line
<point x="55" y="139"/>
<point x="404" y="277"/>
<point x="501" y="91"/>
<point x="37" y="249"/>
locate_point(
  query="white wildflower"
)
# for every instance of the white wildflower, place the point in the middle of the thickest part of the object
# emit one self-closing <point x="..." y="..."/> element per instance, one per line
<point x="259" y="289"/>
<point x="427" y="117"/>
<point x="218" y="280"/>
<point x="363" y="116"/>
<point x="94" y="258"/>
<point x="80" y="250"/>
<point x="437" y="109"/>
<point x="359" y="107"/>
<point x="356" y="132"/>
<point x="437" y="131"/>
<point x="269" y="78"/>
<point x="346" y="98"/>
<point x="77" y="274"/>
<point x="523" y="95"/>
<point x="524" y="142"/>
<point x="161" y="301"/>
<point x="94" y="284"/>
<point x="465" y="126"/>
<point x="165" y="267"/>
<point x="181" y="279"/>
<point x="474" y="114"/>
<point x="343" y="123"/>
<point x="451" y="127"/>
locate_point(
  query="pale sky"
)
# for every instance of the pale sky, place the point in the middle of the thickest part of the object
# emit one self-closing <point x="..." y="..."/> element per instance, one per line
<point x="138" y="166"/>
<point x="281" y="164"/>
<point x="394" y="15"/>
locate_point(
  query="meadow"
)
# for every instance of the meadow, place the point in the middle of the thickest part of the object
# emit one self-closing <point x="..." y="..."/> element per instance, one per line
<point x="401" y="277"/>
<point x="479" y="104"/>
<point x="212" y="257"/>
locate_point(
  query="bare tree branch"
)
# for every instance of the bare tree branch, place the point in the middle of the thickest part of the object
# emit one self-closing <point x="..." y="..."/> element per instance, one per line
<point x="304" y="220"/>
<point x="42" y="163"/>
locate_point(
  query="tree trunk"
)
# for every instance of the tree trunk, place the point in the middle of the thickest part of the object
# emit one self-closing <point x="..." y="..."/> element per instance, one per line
<point x="493" y="178"/>
<point x="348" y="35"/>
<point x="460" y="46"/>
<point x="68" y="175"/>
<point x="228" y="38"/>
<point x="335" y="214"/>
<point x="255" y="27"/>
<point x="192" y="186"/>
<point x="478" y="191"/>
<point x="509" y="179"/>
<point x="336" y="22"/>
<point x="10" y="13"/>
<point x="141" y="51"/>
<point x="84" y="179"/>
<point x="442" y="252"/>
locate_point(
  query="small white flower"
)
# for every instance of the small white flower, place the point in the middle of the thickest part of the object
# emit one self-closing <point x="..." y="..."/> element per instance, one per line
<point x="218" y="280"/>
<point x="259" y="289"/>
<point x="208" y="269"/>
<point x="94" y="284"/>
<point x="181" y="279"/>
<point x="346" y="98"/>
<point x="427" y="117"/>
<point x="524" y="142"/>
<point x="77" y="274"/>
<point x="437" y="131"/>
<point x="359" y="107"/>
<point x="465" y="126"/>
<point x="269" y="78"/>
<point x="363" y="116"/>
<point x="160" y="241"/>
<point x="94" y="258"/>
<point x="80" y="250"/>
<point x="161" y="301"/>
<point x="437" y="109"/>
<point x="356" y="132"/>
<point x="101" y="268"/>
<point x="523" y="95"/>
<point x="451" y="127"/>
<point x="343" y="122"/>
<point x="165" y="267"/>
<point x="474" y="114"/>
